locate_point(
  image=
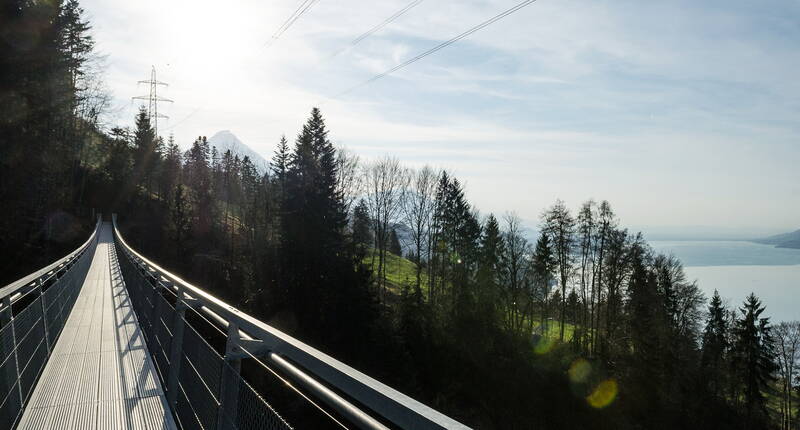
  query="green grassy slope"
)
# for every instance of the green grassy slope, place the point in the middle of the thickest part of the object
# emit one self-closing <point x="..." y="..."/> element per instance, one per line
<point x="402" y="272"/>
<point x="399" y="271"/>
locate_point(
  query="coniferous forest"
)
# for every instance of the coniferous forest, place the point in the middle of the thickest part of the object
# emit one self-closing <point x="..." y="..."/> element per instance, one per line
<point x="584" y="326"/>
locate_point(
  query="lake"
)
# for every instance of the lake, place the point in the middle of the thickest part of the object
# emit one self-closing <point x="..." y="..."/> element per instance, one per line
<point x="737" y="268"/>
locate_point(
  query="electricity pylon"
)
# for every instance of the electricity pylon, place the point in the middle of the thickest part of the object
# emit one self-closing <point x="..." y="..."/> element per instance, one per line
<point x="153" y="99"/>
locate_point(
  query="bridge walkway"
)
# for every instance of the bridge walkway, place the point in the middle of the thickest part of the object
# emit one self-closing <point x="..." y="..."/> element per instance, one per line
<point x="100" y="375"/>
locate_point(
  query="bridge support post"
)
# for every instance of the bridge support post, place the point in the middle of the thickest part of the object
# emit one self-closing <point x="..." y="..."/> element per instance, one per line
<point x="229" y="384"/>
<point x="176" y="346"/>
<point x="44" y="315"/>
<point x="8" y="319"/>
<point x="146" y="289"/>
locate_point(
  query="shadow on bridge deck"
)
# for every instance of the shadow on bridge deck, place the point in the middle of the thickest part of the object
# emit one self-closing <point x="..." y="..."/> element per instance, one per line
<point x="100" y="375"/>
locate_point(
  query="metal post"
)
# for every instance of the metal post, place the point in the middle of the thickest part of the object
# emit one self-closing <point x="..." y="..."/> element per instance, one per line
<point x="229" y="385"/>
<point x="176" y="347"/>
<point x="44" y="314"/>
<point x="8" y="318"/>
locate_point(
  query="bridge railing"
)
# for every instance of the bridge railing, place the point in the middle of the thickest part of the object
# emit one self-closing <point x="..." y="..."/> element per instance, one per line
<point x="204" y="387"/>
<point x="33" y="311"/>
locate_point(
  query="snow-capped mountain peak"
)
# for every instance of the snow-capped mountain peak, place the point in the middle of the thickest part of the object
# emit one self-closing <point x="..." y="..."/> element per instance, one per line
<point x="225" y="140"/>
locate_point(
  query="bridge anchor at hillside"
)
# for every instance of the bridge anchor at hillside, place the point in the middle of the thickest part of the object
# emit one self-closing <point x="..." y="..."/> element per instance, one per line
<point x="105" y="339"/>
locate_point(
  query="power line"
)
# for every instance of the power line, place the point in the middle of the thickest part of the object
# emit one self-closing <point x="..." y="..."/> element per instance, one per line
<point x="285" y="24"/>
<point x="439" y="46"/>
<point x="172" y="126"/>
<point x="378" y="27"/>
<point x="301" y="9"/>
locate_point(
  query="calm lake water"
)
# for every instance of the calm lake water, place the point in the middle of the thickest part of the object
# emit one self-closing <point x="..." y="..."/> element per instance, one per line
<point x="737" y="268"/>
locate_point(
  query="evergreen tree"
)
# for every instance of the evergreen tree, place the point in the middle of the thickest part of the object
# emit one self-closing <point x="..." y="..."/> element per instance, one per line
<point x="455" y="238"/>
<point x="75" y="42"/>
<point x="715" y="346"/>
<point x="543" y="266"/>
<point x="145" y="156"/>
<point x="753" y="359"/>
<point x="645" y="310"/>
<point x="171" y="167"/>
<point x="362" y="232"/>
<point x="394" y="244"/>
<point x="280" y="161"/>
<point x="181" y="220"/>
<point x="198" y="178"/>
<point x="488" y="276"/>
<point x="326" y="293"/>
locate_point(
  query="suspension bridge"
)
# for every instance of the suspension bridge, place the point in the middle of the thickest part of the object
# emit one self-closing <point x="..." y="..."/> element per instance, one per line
<point x="106" y="339"/>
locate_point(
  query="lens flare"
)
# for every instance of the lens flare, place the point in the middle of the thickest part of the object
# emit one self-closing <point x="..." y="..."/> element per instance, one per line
<point x="543" y="345"/>
<point x="579" y="370"/>
<point x="603" y="395"/>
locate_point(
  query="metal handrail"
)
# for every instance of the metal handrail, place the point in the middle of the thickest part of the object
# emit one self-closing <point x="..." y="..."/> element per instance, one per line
<point x="17" y="289"/>
<point x="258" y="338"/>
<point x="30" y="332"/>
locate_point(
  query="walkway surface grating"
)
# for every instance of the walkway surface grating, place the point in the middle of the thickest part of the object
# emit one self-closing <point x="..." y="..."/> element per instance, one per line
<point x="100" y="375"/>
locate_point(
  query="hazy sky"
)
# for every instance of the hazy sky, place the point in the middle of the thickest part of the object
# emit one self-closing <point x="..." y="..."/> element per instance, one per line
<point x="680" y="113"/>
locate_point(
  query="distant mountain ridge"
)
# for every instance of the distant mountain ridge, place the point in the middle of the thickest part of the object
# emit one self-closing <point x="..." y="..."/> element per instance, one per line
<point x="225" y="140"/>
<point x="785" y="240"/>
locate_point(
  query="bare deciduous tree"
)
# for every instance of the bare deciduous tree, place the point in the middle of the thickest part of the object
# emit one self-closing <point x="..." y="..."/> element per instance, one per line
<point x="560" y="226"/>
<point x="385" y="184"/>
<point x="349" y="182"/>
<point x="418" y="206"/>
<point x="515" y="273"/>
<point x="587" y="232"/>
<point x="787" y="336"/>
<point x="606" y="222"/>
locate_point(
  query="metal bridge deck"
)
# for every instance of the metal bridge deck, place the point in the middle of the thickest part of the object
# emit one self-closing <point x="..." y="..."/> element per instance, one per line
<point x="100" y="375"/>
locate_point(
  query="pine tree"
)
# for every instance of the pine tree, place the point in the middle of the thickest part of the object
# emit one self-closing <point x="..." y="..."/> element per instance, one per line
<point x="324" y="290"/>
<point x="144" y="150"/>
<point x="488" y="277"/>
<point x="715" y="346"/>
<point x="181" y="220"/>
<point x="280" y="161"/>
<point x="118" y="165"/>
<point x="171" y="167"/>
<point x="543" y="266"/>
<point x="75" y="41"/>
<point x="198" y="178"/>
<point x="753" y="358"/>
<point x="362" y="232"/>
<point x="645" y="310"/>
<point x="394" y="244"/>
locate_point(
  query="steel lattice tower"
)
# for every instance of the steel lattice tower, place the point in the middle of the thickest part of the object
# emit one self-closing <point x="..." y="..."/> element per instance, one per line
<point x="153" y="99"/>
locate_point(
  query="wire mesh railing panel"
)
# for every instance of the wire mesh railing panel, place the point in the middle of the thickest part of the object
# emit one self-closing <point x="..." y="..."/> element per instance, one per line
<point x="6" y="343"/>
<point x="197" y="400"/>
<point x="187" y="419"/>
<point x="53" y="292"/>
<point x="211" y="341"/>
<point x="161" y="337"/>
<point x="30" y="372"/>
<point x="10" y="408"/>
<point x="8" y="376"/>
<point x="252" y="411"/>
<point x="204" y="359"/>
<point x="51" y="315"/>
<point x="26" y="318"/>
<point x="202" y="402"/>
<point x="34" y="311"/>
<point x="27" y="345"/>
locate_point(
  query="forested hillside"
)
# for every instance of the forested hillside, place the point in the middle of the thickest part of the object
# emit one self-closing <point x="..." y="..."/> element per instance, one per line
<point x="585" y="327"/>
<point x="785" y="240"/>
